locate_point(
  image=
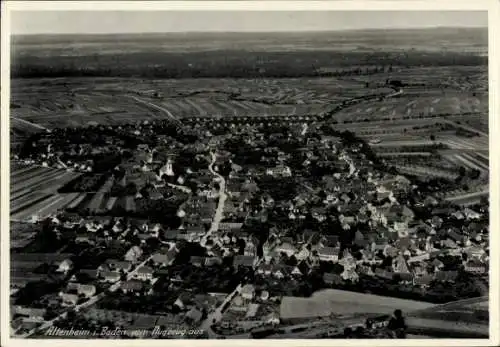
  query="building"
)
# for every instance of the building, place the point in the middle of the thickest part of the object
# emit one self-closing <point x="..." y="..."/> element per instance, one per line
<point x="109" y="276"/>
<point x="133" y="254"/>
<point x="144" y="273"/>
<point x="475" y="266"/>
<point x="329" y="254"/>
<point x="132" y="286"/>
<point x="247" y="292"/>
<point x="279" y="171"/>
<point x="243" y="260"/>
<point x="286" y="248"/>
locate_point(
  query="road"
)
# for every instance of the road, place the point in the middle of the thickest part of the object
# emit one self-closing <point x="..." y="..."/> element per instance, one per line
<point x="91" y="301"/>
<point x="465" y="127"/>
<point x="31" y="124"/>
<point x="469" y="196"/>
<point x="217" y="314"/>
<point x="162" y="109"/>
<point x="220" y="206"/>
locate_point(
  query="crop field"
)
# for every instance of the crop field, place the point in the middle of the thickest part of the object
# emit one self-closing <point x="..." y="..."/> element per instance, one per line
<point x="34" y="190"/>
<point x="101" y="203"/>
<point x="325" y="302"/>
<point x="451" y="141"/>
<point x="459" y="78"/>
<point x="469" y="316"/>
<point x="75" y="102"/>
<point x="416" y="106"/>
<point x="467" y="159"/>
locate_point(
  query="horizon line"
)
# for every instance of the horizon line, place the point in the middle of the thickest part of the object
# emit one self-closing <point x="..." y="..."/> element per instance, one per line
<point x="253" y="32"/>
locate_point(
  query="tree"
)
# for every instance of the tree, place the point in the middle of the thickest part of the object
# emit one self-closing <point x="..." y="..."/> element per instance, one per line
<point x="292" y="261"/>
<point x="433" y="138"/>
<point x="461" y="171"/>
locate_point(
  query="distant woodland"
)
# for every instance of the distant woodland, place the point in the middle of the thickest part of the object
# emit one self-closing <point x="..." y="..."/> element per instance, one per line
<point x="230" y="64"/>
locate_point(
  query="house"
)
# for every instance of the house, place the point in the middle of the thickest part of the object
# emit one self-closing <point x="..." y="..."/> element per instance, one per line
<point x="29" y="313"/>
<point x="332" y="278"/>
<point x="84" y="239"/>
<point x="144" y="273"/>
<point x="349" y="274"/>
<point x="109" y="276"/>
<point x="279" y="171"/>
<point x="475" y="252"/>
<point x="247" y="292"/>
<point x="230" y="226"/>
<point x="68" y="299"/>
<point x="347" y="260"/>
<point x="329" y="254"/>
<point x="296" y="271"/>
<point x="399" y="265"/>
<point x="133" y="254"/>
<point x="470" y="214"/>
<point x="65" y="266"/>
<point x="449" y="243"/>
<point x="117" y="265"/>
<point x="132" y="286"/>
<point x="475" y="266"/>
<point x="87" y="290"/>
<point x="165" y="259"/>
<point x="303" y="254"/>
<point x="211" y="261"/>
<point x="286" y="248"/>
<point x="243" y="260"/>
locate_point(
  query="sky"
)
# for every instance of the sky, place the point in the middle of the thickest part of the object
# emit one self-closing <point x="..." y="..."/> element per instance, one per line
<point x="109" y="22"/>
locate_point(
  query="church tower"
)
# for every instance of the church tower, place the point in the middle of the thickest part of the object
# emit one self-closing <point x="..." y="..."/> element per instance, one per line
<point x="169" y="169"/>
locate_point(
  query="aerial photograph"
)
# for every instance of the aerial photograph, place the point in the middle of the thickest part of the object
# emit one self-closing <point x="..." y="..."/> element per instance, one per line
<point x="249" y="175"/>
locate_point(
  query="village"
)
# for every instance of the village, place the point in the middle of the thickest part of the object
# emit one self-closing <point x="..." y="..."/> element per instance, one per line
<point x="226" y="228"/>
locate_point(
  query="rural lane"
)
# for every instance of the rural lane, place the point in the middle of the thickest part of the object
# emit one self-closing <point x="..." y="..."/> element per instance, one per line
<point x="220" y="206"/>
<point x="162" y="109"/>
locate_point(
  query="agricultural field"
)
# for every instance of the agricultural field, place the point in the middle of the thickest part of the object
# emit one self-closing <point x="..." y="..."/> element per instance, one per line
<point x="417" y="105"/>
<point x="467" y="316"/>
<point x="325" y="302"/>
<point x="76" y="102"/>
<point x="34" y="191"/>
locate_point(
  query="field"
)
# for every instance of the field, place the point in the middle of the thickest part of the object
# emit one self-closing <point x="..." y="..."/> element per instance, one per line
<point x="469" y="316"/>
<point x="76" y="102"/>
<point x="328" y="301"/>
<point x="34" y="191"/>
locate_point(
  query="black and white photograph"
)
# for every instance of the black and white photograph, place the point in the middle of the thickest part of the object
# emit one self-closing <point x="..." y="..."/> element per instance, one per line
<point x="284" y="174"/>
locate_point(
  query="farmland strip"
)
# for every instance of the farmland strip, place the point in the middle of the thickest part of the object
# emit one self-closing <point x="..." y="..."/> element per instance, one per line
<point x="111" y="202"/>
<point x="34" y="182"/>
<point x="36" y="170"/>
<point x="77" y="201"/>
<point x="29" y="204"/>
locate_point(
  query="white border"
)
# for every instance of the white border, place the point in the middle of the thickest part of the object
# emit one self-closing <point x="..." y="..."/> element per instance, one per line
<point x="494" y="58"/>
